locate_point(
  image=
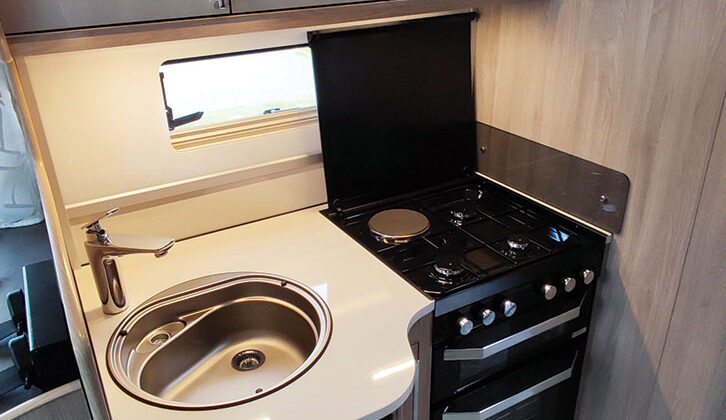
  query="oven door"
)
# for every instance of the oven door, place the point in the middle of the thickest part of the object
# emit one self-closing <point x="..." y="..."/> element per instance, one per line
<point x="489" y="351"/>
<point x="545" y="389"/>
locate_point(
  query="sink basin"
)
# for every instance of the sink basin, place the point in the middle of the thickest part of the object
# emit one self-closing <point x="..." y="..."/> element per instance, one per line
<point x="219" y="340"/>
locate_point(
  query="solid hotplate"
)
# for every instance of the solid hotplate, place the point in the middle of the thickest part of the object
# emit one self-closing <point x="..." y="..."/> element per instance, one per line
<point x="397" y="226"/>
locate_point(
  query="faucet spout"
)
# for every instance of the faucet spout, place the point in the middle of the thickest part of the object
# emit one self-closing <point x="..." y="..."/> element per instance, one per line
<point x="164" y="249"/>
<point x="117" y="244"/>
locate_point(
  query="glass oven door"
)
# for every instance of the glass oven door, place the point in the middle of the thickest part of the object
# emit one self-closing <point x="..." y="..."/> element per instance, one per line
<point x="545" y="389"/>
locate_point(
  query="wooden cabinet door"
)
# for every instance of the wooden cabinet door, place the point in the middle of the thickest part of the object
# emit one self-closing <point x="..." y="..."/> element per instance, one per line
<point x="42" y="15"/>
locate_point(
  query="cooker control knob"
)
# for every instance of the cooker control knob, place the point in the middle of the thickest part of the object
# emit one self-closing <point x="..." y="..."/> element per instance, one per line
<point x="587" y="276"/>
<point x="549" y="291"/>
<point x="487" y="317"/>
<point x="569" y="283"/>
<point x="465" y="325"/>
<point x="509" y="308"/>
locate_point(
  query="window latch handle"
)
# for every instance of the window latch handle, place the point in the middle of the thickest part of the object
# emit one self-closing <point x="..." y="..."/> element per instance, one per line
<point x="176" y="122"/>
<point x="170" y="120"/>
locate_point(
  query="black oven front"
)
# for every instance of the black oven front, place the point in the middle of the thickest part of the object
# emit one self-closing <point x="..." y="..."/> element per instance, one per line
<point x="523" y="366"/>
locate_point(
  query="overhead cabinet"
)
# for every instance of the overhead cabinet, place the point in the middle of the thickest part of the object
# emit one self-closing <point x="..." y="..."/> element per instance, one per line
<point x="20" y="16"/>
<point x="42" y="15"/>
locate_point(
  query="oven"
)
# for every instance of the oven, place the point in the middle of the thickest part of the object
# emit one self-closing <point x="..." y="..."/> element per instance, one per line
<point x="510" y="320"/>
<point x="525" y="365"/>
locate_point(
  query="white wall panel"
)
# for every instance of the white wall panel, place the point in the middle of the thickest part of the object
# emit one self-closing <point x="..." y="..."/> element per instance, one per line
<point x="101" y="114"/>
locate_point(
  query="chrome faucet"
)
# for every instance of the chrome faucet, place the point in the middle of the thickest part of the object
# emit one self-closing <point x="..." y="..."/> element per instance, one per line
<point x="104" y="249"/>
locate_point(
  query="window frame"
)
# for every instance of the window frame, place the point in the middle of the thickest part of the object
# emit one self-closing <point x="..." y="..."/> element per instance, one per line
<point x="243" y="128"/>
<point x="190" y="138"/>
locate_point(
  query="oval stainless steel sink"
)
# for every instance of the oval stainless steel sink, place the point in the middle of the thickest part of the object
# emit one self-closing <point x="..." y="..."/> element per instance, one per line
<point x="219" y="340"/>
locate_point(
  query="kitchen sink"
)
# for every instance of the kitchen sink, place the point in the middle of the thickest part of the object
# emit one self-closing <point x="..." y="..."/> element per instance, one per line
<point x="219" y="340"/>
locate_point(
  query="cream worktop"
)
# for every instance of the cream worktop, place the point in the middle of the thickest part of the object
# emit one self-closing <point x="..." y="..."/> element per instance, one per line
<point x="367" y="370"/>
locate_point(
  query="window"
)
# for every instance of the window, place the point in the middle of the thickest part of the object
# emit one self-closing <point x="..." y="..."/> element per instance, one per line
<point x="219" y="98"/>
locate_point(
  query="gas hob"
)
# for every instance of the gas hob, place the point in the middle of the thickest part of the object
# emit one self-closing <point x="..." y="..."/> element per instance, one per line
<point x="473" y="232"/>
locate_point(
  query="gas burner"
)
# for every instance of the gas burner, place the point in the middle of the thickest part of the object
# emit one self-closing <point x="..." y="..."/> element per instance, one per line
<point x="463" y="211"/>
<point x="447" y="269"/>
<point x="448" y="266"/>
<point x="517" y="242"/>
<point x="518" y="248"/>
<point x="398" y="226"/>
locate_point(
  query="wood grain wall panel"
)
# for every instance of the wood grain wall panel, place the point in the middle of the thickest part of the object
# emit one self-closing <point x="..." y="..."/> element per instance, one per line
<point x="692" y="374"/>
<point x="636" y="86"/>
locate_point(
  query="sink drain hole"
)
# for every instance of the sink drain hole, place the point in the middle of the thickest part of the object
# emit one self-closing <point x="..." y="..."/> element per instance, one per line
<point x="248" y="360"/>
<point x="159" y="338"/>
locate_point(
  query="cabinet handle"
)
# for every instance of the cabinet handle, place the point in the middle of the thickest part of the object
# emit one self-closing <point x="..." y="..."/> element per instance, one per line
<point x="220" y="4"/>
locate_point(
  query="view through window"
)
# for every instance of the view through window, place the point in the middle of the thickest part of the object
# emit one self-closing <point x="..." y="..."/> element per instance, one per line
<point x="206" y="91"/>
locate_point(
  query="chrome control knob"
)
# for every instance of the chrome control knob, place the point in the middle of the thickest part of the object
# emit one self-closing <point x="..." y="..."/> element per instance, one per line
<point x="587" y="276"/>
<point x="465" y="325"/>
<point x="569" y="283"/>
<point x="488" y="316"/>
<point x="509" y="308"/>
<point x="549" y="291"/>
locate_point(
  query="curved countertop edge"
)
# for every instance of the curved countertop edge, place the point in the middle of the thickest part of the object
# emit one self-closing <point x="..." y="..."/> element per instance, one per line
<point x="420" y="314"/>
<point x="383" y="290"/>
<point x="390" y="408"/>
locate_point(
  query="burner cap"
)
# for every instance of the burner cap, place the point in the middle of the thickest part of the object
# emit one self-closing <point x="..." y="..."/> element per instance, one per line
<point x="464" y="210"/>
<point x="518" y="242"/>
<point x="398" y="226"/>
<point x="448" y="266"/>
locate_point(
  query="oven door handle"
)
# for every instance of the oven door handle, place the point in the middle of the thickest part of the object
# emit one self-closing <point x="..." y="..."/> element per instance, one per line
<point x="478" y="353"/>
<point x="515" y="399"/>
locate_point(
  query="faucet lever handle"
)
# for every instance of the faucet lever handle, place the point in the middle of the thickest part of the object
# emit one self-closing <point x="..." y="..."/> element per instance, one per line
<point x="95" y="225"/>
